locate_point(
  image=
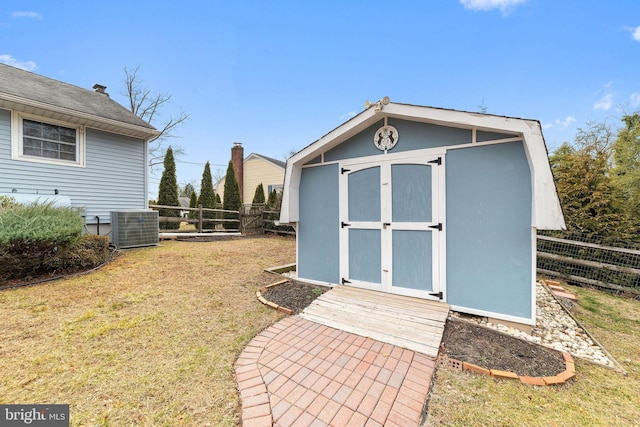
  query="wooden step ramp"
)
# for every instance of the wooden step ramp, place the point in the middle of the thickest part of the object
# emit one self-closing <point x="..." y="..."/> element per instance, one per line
<point x="412" y="323"/>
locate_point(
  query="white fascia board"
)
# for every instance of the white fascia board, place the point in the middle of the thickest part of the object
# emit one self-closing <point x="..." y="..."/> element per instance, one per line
<point x="546" y="211"/>
<point x="17" y="103"/>
<point x="336" y="136"/>
<point x="289" y="210"/>
<point x="290" y="205"/>
<point x="456" y="118"/>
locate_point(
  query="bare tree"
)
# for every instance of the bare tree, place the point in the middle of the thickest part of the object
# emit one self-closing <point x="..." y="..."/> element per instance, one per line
<point x="289" y="153"/>
<point x="147" y="105"/>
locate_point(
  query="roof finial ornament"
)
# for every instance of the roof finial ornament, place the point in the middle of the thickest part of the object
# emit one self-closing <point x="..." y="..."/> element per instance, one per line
<point x="378" y="105"/>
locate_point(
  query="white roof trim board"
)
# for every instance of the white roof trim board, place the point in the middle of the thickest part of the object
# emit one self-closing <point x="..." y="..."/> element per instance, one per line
<point x="546" y="210"/>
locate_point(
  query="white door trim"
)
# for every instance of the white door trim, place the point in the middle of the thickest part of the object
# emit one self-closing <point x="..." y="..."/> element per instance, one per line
<point x="438" y="216"/>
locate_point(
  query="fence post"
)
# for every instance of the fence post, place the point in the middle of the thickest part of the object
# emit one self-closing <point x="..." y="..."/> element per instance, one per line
<point x="200" y="218"/>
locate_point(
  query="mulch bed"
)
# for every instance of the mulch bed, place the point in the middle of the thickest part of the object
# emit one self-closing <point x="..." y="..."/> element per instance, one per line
<point x="491" y="349"/>
<point x="294" y="295"/>
<point x="462" y="340"/>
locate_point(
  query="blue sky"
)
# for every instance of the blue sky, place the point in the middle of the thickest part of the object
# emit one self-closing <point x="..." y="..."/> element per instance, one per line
<point x="277" y="75"/>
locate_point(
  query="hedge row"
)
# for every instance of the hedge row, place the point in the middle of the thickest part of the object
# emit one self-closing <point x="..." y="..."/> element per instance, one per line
<point x="39" y="239"/>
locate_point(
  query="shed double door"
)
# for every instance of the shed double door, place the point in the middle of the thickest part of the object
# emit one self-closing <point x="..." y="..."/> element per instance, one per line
<point x="391" y="225"/>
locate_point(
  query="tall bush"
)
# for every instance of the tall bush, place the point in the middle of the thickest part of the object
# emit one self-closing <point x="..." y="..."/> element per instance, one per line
<point x="274" y="200"/>
<point x="258" y="197"/>
<point x="168" y="191"/>
<point x="231" y="200"/>
<point x="207" y="196"/>
<point x="193" y="203"/>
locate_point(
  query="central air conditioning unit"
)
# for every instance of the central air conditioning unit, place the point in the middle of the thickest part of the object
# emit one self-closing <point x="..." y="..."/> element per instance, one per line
<point x="134" y="228"/>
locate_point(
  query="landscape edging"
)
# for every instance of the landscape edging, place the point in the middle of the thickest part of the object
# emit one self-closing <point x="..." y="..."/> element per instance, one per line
<point x="264" y="301"/>
<point x="561" y="378"/>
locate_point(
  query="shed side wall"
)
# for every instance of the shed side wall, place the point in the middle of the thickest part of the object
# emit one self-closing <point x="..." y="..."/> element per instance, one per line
<point x="489" y="229"/>
<point x="318" y="229"/>
<point x="114" y="176"/>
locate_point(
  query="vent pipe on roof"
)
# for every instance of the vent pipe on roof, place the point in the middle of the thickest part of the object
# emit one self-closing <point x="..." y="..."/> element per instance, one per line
<point x="100" y="88"/>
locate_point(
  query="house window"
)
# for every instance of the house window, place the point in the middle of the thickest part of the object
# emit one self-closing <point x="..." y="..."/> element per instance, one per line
<point x="47" y="141"/>
<point x="278" y="187"/>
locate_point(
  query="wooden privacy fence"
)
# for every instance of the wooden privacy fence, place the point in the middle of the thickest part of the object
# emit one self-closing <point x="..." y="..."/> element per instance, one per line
<point x="256" y="218"/>
<point x="589" y="260"/>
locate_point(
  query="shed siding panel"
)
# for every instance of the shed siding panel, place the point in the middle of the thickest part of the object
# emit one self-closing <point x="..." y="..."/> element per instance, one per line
<point x="258" y="171"/>
<point x="318" y="233"/>
<point x="489" y="229"/>
<point x="412" y="136"/>
<point x="113" y="178"/>
<point x="482" y="136"/>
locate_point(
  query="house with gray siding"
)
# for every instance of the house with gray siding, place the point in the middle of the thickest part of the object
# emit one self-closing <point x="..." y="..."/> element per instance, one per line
<point x="425" y="202"/>
<point x="70" y="146"/>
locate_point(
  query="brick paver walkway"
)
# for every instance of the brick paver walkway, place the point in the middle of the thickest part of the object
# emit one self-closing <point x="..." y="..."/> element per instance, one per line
<point x="301" y="373"/>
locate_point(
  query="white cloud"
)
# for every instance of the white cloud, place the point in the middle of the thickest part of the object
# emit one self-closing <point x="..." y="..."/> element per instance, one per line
<point x="635" y="33"/>
<point x="24" y="65"/>
<point x="503" y="5"/>
<point x="347" y="116"/>
<point x="566" y="122"/>
<point x="23" y="14"/>
<point x="606" y="101"/>
<point x="635" y="99"/>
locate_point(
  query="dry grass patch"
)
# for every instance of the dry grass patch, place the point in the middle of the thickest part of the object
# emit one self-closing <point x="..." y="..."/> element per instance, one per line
<point x="148" y="340"/>
<point x="597" y="397"/>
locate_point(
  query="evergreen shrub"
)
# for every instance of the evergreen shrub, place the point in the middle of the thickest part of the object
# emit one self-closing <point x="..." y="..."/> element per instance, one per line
<point x="32" y="234"/>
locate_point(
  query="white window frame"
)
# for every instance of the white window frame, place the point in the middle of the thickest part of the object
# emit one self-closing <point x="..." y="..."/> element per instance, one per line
<point x="17" y="139"/>
<point x="278" y="187"/>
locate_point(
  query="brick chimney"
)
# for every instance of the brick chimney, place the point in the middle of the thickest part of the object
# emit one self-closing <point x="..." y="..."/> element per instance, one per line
<point x="237" y="158"/>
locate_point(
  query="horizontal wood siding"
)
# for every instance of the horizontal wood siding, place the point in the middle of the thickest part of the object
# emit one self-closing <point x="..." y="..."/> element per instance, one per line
<point x="258" y="171"/>
<point x="113" y="178"/>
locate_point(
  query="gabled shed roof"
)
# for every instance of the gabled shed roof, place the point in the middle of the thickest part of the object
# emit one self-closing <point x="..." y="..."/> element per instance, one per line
<point x="546" y="210"/>
<point x="35" y="94"/>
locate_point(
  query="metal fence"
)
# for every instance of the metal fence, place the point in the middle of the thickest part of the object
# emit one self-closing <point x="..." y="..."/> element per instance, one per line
<point x="602" y="262"/>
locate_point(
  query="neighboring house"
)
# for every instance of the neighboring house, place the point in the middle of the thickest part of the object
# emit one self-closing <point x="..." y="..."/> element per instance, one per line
<point x="252" y="171"/>
<point x="425" y="202"/>
<point x="184" y="203"/>
<point x="70" y="145"/>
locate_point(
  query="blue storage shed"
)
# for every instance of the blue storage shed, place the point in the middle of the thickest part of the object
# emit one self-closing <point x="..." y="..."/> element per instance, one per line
<point x="425" y="202"/>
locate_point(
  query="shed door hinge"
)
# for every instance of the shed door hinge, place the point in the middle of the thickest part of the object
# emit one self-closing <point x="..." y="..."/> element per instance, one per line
<point x="437" y="161"/>
<point x="437" y="294"/>
<point x="345" y="281"/>
<point x="344" y="224"/>
<point x="343" y="170"/>
<point x="437" y="226"/>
